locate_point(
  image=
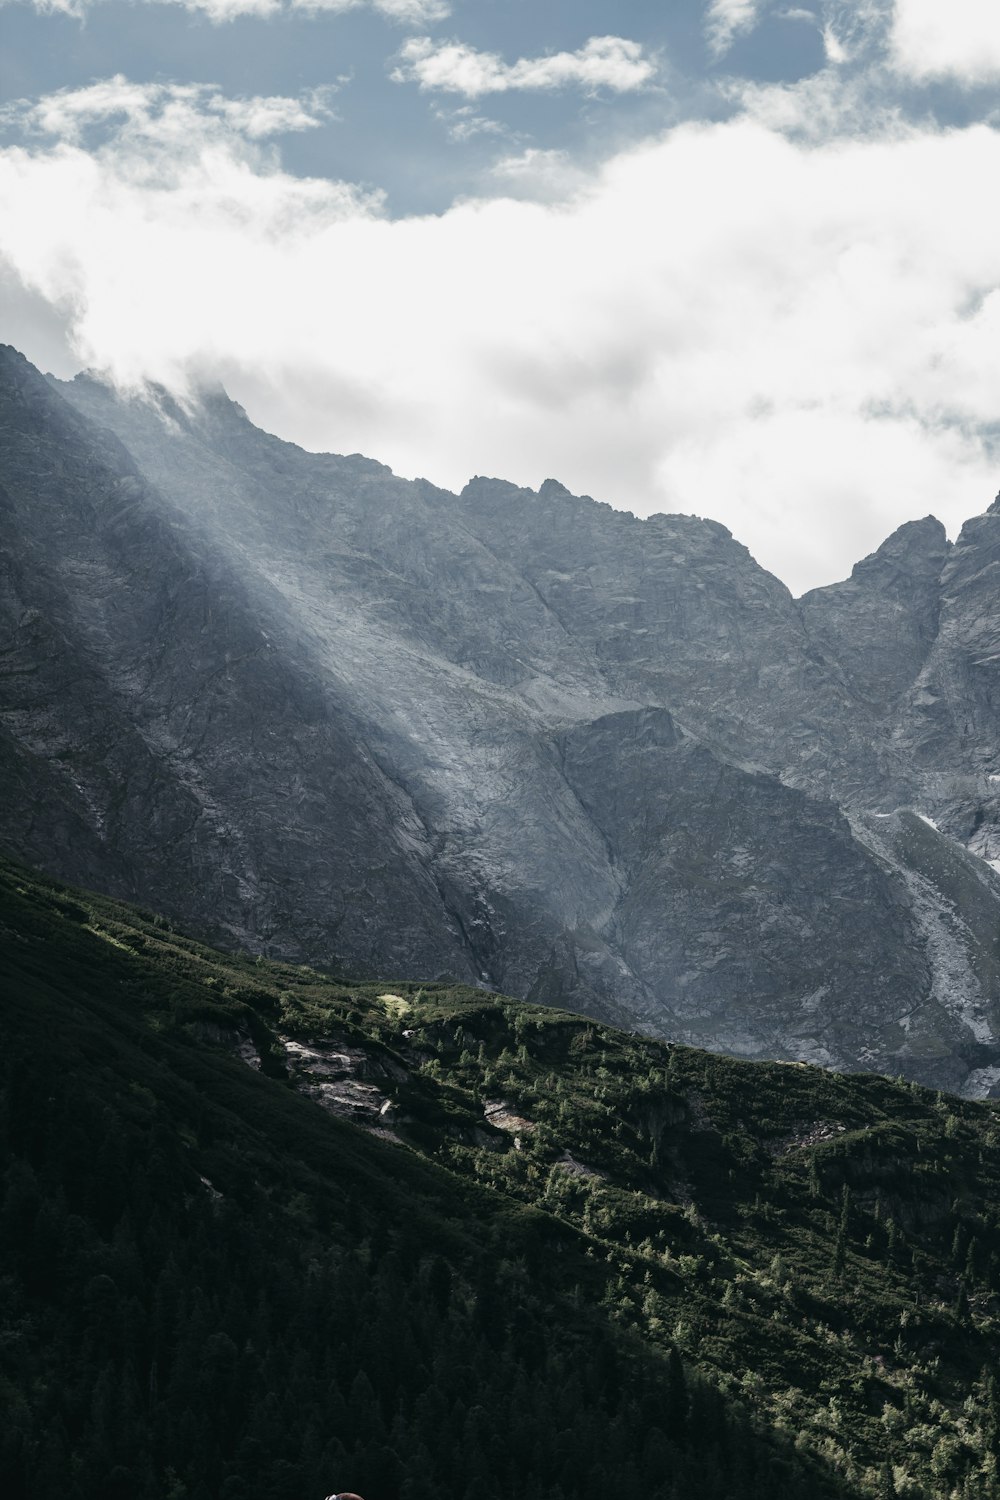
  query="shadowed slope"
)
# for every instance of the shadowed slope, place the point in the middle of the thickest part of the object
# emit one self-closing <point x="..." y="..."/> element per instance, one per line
<point x="211" y="1287"/>
<point x="559" y="1209"/>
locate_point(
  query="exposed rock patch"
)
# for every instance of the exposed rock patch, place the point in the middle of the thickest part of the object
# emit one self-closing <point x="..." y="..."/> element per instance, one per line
<point x="569" y="1164"/>
<point x="338" y="1077"/>
<point x="806" y="1135"/>
<point x="501" y="1116"/>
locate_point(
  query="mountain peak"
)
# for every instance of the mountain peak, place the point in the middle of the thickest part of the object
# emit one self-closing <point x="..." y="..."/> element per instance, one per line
<point x="915" y="547"/>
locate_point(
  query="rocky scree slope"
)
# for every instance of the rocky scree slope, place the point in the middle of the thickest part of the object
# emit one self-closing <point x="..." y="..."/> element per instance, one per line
<point x="522" y="739"/>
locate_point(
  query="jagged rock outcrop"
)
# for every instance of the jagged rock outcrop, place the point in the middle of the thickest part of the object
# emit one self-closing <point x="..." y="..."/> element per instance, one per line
<point x="951" y="723"/>
<point x="518" y="737"/>
<point x="879" y="625"/>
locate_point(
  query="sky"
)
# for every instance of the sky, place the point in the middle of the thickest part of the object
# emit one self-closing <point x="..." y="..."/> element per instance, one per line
<point x="733" y="258"/>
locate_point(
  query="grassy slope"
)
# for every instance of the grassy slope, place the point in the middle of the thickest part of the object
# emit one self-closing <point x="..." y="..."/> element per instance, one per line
<point x="822" y="1248"/>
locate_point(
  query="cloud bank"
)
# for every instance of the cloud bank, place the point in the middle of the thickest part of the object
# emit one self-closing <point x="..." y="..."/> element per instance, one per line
<point x="957" y="40"/>
<point x="798" y="338"/>
<point x="610" y="62"/>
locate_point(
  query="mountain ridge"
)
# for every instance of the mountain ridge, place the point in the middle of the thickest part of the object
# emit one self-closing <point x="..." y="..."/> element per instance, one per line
<point x="391" y="764"/>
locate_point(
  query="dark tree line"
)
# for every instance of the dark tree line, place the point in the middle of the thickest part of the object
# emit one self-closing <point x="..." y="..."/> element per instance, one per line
<point x="208" y="1289"/>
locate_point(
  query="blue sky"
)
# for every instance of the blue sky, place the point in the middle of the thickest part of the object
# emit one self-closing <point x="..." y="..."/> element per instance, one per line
<point x="421" y="146"/>
<point x="734" y="257"/>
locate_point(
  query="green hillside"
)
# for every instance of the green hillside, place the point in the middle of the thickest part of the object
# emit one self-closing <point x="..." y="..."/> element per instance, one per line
<point x="515" y="1253"/>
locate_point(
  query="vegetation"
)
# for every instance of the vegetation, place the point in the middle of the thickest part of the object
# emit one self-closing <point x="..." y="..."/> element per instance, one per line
<point x="570" y="1262"/>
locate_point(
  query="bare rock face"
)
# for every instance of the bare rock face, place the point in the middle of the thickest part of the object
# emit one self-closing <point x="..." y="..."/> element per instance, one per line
<point x="951" y="717"/>
<point x="754" y="917"/>
<point x="880" y="625"/>
<point x="145" y="710"/>
<point x="520" y="738"/>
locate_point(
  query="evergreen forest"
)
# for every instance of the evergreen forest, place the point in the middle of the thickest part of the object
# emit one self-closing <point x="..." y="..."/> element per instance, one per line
<point x="267" y="1233"/>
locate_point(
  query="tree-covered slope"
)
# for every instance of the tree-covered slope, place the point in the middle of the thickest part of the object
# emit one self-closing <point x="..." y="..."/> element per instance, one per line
<point x="547" y="1258"/>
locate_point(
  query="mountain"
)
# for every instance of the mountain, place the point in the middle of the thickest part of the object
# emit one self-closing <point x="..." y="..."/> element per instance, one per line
<point x="145" y="711"/>
<point x="264" y="1233"/>
<point x="517" y="739"/>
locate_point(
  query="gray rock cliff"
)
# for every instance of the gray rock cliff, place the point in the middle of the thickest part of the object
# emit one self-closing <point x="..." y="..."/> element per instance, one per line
<point x="518" y="737"/>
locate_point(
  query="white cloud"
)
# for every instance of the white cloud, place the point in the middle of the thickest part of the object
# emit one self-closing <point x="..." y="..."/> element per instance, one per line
<point x="405" y="12"/>
<point x="850" y="29"/>
<point x="801" y="340"/>
<point x="833" y="45"/>
<point x="414" y="12"/>
<point x="462" y="123"/>
<point x="165" y="114"/>
<point x="610" y="62"/>
<point x="728" y="19"/>
<point x="857" y="31"/>
<point x="955" y="39"/>
<point x="834" y="48"/>
<point x="823" y="107"/>
<point x="549" y="176"/>
<point x="59" y="7"/>
<point x="159" y="125"/>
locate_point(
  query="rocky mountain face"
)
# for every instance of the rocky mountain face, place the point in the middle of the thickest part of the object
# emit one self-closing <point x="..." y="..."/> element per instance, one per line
<point x="517" y="738"/>
<point x="143" y="707"/>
